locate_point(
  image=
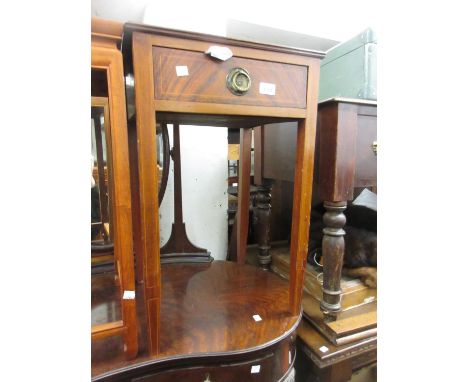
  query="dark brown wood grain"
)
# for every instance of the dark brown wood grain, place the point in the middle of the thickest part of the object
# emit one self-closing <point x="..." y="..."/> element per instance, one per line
<point x="262" y="224"/>
<point x="346" y="132"/>
<point x="134" y="183"/>
<point x="279" y="151"/>
<point x="258" y="135"/>
<point x="206" y="81"/>
<point x="206" y="311"/>
<point x="275" y="363"/>
<point x="230" y="121"/>
<point x="333" y="251"/>
<point x="337" y="363"/>
<point x="338" y="130"/>
<point x="366" y="159"/>
<point x="210" y="308"/>
<point x="303" y="178"/>
<point x="242" y="223"/>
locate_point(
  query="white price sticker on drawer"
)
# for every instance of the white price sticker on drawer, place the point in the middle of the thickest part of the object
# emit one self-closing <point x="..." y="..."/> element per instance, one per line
<point x="267" y="88"/>
<point x="181" y="70"/>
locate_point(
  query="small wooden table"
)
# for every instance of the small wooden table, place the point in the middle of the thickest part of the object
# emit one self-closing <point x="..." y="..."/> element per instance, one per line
<point x="347" y="158"/>
<point x="198" y="322"/>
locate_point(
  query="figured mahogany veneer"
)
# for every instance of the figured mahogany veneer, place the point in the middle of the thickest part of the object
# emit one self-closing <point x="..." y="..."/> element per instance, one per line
<point x="206" y="314"/>
<point x="206" y="81"/>
<point x="212" y="307"/>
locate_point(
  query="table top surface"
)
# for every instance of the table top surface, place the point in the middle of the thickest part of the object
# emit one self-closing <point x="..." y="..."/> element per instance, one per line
<point x="208" y="309"/>
<point x="358" y="101"/>
<point x="129" y="28"/>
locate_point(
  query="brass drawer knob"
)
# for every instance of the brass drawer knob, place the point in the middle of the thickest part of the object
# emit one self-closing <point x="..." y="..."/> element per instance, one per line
<point x="238" y="81"/>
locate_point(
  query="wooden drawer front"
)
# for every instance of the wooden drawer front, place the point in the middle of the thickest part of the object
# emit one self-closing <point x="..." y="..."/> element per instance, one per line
<point x="366" y="160"/>
<point x="240" y="372"/>
<point x="206" y="79"/>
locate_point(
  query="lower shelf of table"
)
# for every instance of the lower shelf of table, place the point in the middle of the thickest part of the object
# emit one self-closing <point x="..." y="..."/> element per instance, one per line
<point x="207" y="327"/>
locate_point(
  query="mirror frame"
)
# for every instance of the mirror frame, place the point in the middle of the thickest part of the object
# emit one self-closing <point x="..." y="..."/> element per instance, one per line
<point x="105" y="55"/>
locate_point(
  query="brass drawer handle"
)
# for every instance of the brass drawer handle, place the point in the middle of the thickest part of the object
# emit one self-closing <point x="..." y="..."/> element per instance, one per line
<point x="238" y="81"/>
<point x="374" y="147"/>
<point x="207" y="377"/>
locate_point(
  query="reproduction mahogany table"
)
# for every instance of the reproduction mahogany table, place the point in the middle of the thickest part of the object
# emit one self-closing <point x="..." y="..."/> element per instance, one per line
<point x="347" y="159"/>
<point x="221" y="320"/>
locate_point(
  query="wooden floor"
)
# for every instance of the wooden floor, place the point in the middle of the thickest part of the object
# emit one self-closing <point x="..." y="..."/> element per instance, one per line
<point x="207" y="309"/>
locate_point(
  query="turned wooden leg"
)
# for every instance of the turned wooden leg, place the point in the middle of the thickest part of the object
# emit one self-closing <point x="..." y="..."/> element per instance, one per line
<point x="332" y="256"/>
<point x="262" y="225"/>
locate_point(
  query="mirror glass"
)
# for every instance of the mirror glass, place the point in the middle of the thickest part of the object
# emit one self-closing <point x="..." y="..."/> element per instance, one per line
<point x="105" y="299"/>
<point x="162" y="157"/>
<point x="100" y="198"/>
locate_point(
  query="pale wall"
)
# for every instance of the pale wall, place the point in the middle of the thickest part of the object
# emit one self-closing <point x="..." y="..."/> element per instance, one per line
<point x="204" y="189"/>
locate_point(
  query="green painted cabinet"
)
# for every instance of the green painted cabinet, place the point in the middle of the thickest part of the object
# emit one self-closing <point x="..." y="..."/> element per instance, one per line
<point x="350" y="69"/>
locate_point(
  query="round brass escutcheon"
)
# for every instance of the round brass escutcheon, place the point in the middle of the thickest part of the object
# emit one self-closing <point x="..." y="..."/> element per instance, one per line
<point x="238" y="81"/>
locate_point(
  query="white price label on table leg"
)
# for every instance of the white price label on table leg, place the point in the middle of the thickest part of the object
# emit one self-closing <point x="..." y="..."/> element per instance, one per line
<point x="129" y="295"/>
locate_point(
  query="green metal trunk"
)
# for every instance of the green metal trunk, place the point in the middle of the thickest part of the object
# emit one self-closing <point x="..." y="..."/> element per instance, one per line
<point x="350" y="69"/>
